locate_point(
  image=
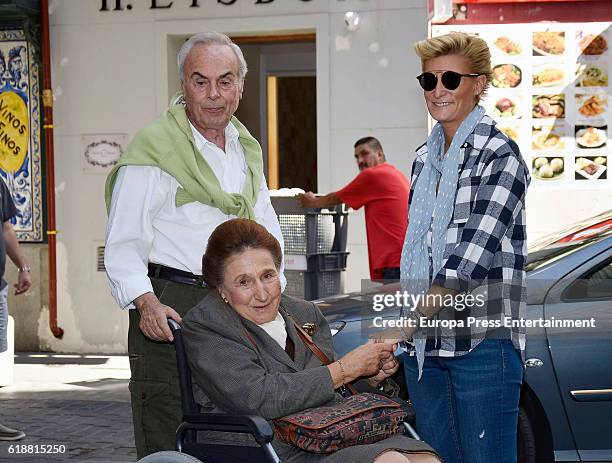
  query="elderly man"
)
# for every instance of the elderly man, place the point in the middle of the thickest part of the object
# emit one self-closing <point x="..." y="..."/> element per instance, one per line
<point x="384" y="191"/>
<point x="193" y="168"/>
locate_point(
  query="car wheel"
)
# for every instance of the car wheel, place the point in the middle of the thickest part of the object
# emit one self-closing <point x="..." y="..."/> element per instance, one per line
<point x="526" y="442"/>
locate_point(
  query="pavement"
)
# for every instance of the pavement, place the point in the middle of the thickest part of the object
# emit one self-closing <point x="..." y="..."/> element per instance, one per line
<point x="72" y="408"/>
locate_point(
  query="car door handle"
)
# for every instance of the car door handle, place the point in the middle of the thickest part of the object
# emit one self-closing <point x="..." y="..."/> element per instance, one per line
<point x="592" y="395"/>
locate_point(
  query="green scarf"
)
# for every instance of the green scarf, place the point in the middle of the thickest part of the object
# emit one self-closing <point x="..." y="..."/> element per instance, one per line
<point x="168" y="143"/>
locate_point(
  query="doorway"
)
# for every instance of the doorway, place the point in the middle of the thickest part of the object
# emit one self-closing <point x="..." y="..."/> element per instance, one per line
<point x="292" y="132"/>
<point x="280" y="100"/>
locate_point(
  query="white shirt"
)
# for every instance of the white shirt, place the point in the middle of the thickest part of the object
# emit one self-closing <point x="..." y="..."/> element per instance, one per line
<point x="144" y="225"/>
<point x="277" y="330"/>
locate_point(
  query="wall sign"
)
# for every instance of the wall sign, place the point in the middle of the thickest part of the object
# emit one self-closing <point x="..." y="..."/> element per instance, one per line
<point x="120" y="5"/>
<point x="20" y="151"/>
<point x="101" y="152"/>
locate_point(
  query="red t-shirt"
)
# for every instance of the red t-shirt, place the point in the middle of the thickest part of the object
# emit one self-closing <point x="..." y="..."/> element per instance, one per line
<point x="384" y="191"/>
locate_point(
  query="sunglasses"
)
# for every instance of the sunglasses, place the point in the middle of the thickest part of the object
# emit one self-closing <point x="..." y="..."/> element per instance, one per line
<point x="450" y="79"/>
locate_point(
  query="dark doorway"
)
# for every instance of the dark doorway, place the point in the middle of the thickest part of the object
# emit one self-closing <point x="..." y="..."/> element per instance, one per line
<point x="295" y="135"/>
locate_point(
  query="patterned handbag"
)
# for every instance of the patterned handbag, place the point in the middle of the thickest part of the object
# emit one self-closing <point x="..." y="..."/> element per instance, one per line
<point x="361" y="418"/>
<point x="356" y="420"/>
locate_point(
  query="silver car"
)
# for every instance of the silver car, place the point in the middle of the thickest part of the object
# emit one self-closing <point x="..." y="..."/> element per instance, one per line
<point x="566" y="399"/>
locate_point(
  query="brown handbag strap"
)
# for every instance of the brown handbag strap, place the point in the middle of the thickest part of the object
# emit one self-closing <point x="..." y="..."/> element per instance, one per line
<point x="306" y="339"/>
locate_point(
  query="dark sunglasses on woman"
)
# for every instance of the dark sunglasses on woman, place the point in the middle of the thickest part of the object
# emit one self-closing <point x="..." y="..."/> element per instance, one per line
<point x="450" y="79"/>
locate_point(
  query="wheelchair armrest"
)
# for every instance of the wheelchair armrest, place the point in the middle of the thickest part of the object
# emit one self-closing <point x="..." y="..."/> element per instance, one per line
<point x="258" y="427"/>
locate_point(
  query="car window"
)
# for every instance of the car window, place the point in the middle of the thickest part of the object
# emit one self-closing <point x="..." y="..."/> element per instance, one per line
<point x="551" y="253"/>
<point x="597" y="284"/>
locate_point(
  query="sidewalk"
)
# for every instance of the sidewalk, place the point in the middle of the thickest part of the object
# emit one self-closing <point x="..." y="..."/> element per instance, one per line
<point x="77" y="401"/>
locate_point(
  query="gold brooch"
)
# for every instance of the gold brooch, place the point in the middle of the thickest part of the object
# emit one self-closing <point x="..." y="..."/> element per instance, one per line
<point x="310" y="328"/>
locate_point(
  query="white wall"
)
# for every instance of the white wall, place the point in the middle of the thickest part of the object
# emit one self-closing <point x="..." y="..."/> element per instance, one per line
<point x="111" y="76"/>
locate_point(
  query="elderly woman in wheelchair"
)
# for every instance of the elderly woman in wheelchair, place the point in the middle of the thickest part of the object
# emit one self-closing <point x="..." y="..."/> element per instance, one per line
<point x="247" y="355"/>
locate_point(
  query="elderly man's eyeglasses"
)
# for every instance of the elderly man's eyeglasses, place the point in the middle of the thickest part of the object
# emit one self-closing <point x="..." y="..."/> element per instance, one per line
<point x="450" y="79"/>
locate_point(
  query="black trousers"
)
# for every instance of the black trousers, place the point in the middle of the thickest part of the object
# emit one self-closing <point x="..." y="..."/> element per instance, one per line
<point x="154" y="387"/>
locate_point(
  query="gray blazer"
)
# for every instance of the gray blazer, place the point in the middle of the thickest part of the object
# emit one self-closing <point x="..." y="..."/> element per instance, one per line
<point x="232" y="375"/>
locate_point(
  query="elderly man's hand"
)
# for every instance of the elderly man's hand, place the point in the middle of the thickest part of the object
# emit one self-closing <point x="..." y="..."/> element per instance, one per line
<point x="307" y="199"/>
<point x="153" y="317"/>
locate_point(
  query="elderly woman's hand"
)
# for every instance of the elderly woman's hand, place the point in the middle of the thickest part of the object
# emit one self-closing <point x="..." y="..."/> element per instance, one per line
<point x="388" y="369"/>
<point x="365" y="361"/>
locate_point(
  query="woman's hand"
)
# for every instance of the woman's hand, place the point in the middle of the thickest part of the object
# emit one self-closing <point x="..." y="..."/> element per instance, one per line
<point x="388" y="369"/>
<point x="366" y="360"/>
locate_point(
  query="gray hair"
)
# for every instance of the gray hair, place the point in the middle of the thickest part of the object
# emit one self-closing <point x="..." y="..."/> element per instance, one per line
<point x="210" y="38"/>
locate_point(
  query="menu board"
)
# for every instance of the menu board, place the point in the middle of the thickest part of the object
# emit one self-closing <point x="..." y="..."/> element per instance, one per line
<point x="550" y="93"/>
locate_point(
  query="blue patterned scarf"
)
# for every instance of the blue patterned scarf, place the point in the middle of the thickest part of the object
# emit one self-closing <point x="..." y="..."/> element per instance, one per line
<point x="428" y="209"/>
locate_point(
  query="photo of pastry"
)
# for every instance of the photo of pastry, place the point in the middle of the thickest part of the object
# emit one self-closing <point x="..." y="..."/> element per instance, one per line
<point x="548" y="75"/>
<point x="548" y="137"/>
<point x="591" y="168"/>
<point x="548" y="167"/>
<point x="548" y="43"/>
<point x="591" y="75"/>
<point x="591" y="105"/>
<point x="591" y="44"/>
<point x="543" y="106"/>
<point x="506" y="76"/>
<point x="507" y="46"/>
<point x="507" y="107"/>
<point x="589" y="137"/>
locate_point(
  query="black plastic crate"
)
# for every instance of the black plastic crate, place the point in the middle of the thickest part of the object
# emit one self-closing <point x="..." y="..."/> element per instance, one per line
<point x="327" y="261"/>
<point x="315" y="247"/>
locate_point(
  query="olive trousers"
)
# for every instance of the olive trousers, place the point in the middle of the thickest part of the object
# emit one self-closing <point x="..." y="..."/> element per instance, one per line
<point x="154" y="385"/>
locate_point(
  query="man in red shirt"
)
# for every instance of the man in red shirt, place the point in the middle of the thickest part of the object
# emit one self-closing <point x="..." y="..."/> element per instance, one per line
<point x="384" y="191"/>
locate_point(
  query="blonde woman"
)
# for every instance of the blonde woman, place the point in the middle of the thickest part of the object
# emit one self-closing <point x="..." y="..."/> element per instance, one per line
<point x="466" y="232"/>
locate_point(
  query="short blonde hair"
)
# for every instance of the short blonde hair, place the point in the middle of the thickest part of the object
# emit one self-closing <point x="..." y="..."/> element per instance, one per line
<point x="471" y="47"/>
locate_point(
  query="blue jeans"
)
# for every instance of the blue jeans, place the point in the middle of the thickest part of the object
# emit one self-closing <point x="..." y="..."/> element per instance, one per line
<point x="467" y="406"/>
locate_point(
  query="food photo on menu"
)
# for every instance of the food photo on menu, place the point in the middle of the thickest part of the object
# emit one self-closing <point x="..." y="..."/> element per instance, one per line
<point x="591" y="44"/>
<point x="508" y="46"/>
<point x="511" y="131"/>
<point x="591" y="105"/>
<point x="544" y="106"/>
<point x="591" y="137"/>
<point x="548" y="43"/>
<point x="548" y="75"/>
<point x="548" y="137"/>
<point x="507" y="107"/>
<point x="548" y="167"/>
<point x="591" y="167"/>
<point x="592" y="75"/>
<point x="506" y="76"/>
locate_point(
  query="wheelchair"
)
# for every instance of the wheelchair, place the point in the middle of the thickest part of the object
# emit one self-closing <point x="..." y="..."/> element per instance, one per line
<point x="256" y="426"/>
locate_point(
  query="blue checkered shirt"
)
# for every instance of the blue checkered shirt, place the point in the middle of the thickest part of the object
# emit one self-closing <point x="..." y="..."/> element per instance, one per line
<point x="486" y="243"/>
